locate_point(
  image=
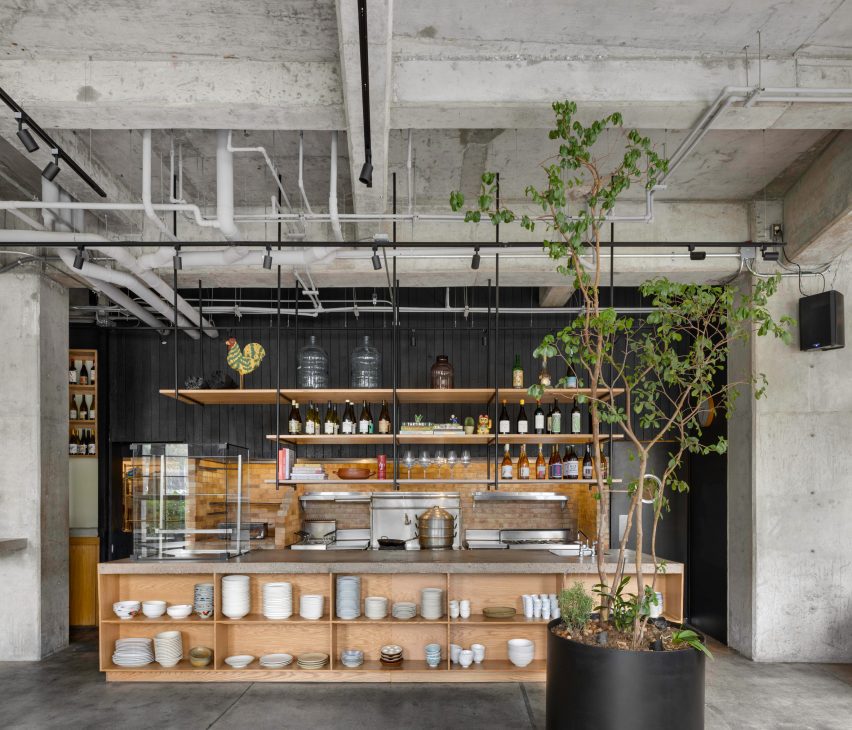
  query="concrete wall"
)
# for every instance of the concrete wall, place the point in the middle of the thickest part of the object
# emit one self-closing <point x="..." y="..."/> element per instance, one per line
<point x="790" y="497"/>
<point x="34" y="467"/>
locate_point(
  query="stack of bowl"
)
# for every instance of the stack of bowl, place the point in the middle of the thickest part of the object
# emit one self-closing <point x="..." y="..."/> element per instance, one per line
<point x="391" y="654"/>
<point x="521" y="652"/>
<point x="203" y="600"/>
<point x="153" y="609"/>
<point x="352" y="658"/>
<point x="126" y="609"/>
<point x="168" y="648"/>
<point x="236" y="601"/>
<point x="375" y="607"/>
<point x="431" y="603"/>
<point x="277" y="600"/>
<point x="433" y="655"/>
<point x="348" y="600"/>
<point x="311" y="607"/>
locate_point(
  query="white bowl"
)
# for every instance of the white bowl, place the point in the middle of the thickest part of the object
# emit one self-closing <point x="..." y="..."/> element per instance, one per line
<point x="239" y="661"/>
<point x="180" y="610"/>
<point x="126" y="609"/>
<point x="153" y="609"/>
<point x="465" y="658"/>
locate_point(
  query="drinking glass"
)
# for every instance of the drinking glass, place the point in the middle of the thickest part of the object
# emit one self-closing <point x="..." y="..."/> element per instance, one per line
<point x="409" y="461"/>
<point x="425" y="461"/>
<point x="465" y="459"/>
<point x="452" y="459"/>
<point x="440" y="460"/>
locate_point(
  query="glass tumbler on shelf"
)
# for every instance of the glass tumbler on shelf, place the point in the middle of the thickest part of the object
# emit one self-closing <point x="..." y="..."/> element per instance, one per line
<point x="312" y="369"/>
<point x="442" y="373"/>
<point x="365" y="365"/>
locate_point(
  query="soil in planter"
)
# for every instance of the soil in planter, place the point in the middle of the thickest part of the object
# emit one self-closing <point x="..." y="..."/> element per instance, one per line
<point x="619" y="639"/>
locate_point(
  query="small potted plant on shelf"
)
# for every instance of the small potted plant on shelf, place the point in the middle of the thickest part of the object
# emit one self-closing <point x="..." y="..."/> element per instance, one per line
<point x="469" y="425"/>
<point x="618" y="667"/>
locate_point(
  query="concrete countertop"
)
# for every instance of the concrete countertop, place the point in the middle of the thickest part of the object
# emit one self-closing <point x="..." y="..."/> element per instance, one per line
<point x="381" y="561"/>
<point x="12" y="544"/>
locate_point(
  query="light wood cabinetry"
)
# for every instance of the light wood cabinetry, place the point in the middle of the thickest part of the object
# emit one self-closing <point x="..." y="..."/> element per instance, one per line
<point x="83" y="581"/>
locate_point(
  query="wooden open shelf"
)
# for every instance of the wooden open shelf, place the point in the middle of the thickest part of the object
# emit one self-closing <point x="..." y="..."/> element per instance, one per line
<point x="561" y="395"/>
<point x="440" y="438"/>
<point x="339" y="440"/>
<point x="465" y="396"/>
<point x="553" y="438"/>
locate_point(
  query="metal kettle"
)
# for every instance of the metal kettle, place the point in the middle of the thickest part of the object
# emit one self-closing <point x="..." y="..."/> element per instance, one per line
<point x="436" y="529"/>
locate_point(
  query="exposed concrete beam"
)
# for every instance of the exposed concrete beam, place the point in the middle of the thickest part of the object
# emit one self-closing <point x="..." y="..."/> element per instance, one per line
<point x="818" y="208"/>
<point x="379" y="30"/>
<point x="554" y="296"/>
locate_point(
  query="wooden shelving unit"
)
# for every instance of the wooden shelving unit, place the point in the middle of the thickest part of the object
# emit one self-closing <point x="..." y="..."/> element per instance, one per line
<point x="88" y="393"/>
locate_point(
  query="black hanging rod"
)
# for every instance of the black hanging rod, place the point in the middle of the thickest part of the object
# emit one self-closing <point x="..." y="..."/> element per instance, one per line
<point x="49" y="141"/>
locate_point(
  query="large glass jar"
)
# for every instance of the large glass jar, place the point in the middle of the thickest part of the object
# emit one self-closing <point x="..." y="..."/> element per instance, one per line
<point x="365" y="366"/>
<point x="312" y="370"/>
<point x="442" y="373"/>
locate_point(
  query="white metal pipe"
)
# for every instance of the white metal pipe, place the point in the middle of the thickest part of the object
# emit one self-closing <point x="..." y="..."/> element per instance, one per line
<point x="146" y="187"/>
<point x="125" y="302"/>
<point x="332" y="191"/>
<point x="64" y="217"/>
<point x="49" y="194"/>
<point x="47" y="205"/>
<point x="225" y="187"/>
<point x="301" y="170"/>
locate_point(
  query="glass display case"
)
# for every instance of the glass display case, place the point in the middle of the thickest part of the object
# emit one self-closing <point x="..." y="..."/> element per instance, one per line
<point x="189" y="501"/>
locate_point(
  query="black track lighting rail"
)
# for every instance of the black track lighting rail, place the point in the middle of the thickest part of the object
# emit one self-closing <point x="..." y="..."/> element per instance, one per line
<point x="59" y="154"/>
<point x="366" y="175"/>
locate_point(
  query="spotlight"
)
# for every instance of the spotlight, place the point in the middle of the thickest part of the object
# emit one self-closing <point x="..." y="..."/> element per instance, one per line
<point x="769" y="255"/>
<point x="51" y="169"/>
<point x="267" y="259"/>
<point x="377" y="262"/>
<point x="696" y="255"/>
<point x="26" y="137"/>
<point x="176" y="261"/>
<point x="366" y="175"/>
<point x="80" y="257"/>
<point x="474" y="262"/>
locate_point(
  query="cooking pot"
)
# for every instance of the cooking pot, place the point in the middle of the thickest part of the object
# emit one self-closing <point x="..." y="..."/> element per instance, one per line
<point x="436" y="529"/>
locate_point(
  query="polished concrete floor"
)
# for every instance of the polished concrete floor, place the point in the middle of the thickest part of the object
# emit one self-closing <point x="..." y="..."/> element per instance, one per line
<point x="66" y="691"/>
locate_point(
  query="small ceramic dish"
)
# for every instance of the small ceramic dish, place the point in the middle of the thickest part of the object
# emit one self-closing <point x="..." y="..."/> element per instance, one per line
<point x="200" y="656"/>
<point x="180" y="610"/>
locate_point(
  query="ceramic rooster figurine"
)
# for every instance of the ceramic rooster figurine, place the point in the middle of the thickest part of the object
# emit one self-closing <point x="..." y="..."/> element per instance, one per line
<point x="246" y="360"/>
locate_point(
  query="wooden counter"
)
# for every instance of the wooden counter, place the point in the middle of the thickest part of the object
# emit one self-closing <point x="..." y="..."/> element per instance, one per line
<point x="485" y="577"/>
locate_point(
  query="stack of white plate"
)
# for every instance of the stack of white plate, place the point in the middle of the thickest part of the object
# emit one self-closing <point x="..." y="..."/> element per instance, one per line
<point x="277" y="600"/>
<point x="311" y="607"/>
<point x="431" y="603"/>
<point x="168" y="648"/>
<point x="236" y="601"/>
<point x="312" y="660"/>
<point x="352" y="658"/>
<point x="203" y="600"/>
<point x="404" y="610"/>
<point x="375" y="607"/>
<point x="275" y="661"/>
<point x="133" y="652"/>
<point x="348" y="600"/>
<point x="521" y="652"/>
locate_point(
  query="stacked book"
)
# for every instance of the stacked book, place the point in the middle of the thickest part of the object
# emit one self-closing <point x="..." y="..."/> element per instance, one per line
<point x="308" y="473"/>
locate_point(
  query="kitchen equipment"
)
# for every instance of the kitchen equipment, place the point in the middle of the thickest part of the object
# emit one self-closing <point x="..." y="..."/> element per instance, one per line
<point x="391" y="544"/>
<point x="350" y="539"/>
<point x="436" y="529"/>
<point x="354" y="472"/>
<point x="562" y="540"/>
<point x="365" y="365"/>
<point x="394" y="515"/>
<point x="251" y="530"/>
<point x="312" y="368"/>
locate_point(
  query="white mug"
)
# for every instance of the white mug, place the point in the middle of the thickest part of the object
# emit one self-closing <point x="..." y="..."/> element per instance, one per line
<point x="545" y="610"/>
<point x="454" y="609"/>
<point x="478" y="652"/>
<point x="528" y="605"/>
<point x="464" y="608"/>
<point x="455" y="649"/>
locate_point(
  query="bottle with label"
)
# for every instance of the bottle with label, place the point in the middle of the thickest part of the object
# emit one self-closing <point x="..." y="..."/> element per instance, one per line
<point x="523" y="425"/>
<point x="92" y="375"/>
<point x="294" y="421"/>
<point x="90" y="399"/>
<point x="506" y="467"/>
<point x="83" y="410"/>
<point x="588" y="467"/>
<point x="92" y="448"/>
<point x="505" y="423"/>
<point x="72" y="373"/>
<point x="72" y="411"/>
<point x="576" y="419"/>
<point x="348" y="425"/>
<point x="571" y="379"/>
<point x="555" y="418"/>
<point x="604" y="466"/>
<point x="384" y="419"/>
<point x="540" y="464"/>
<point x="311" y="420"/>
<point x="72" y="444"/>
<point x="523" y="463"/>
<point x="538" y="417"/>
<point x="517" y="373"/>
<point x="570" y="464"/>
<point x="365" y="420"/>
<point x="328" y="423"/>
<point x="84" y="375"/>
<point x="554" y="467"/>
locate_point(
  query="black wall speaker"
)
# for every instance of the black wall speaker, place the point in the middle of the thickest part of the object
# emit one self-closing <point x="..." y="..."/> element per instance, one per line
<point x="821" y="321"/>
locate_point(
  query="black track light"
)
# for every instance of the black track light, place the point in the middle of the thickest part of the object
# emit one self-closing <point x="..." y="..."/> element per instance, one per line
<point x="80" y="257"/>
<point x="267" y="259"/>
<point x="366" y="175"/>
<point x="769" y="254"/>
<point x="51" y="169"/>
<point x="178" y="264"/>
<point x="474" y="262"/>
<point x="696" y="255"/>
<point x="26" y="137"/>
<point x="377" y="262"/>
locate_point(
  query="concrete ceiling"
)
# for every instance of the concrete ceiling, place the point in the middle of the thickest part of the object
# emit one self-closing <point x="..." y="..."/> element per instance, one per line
<point x="470" y="82"/>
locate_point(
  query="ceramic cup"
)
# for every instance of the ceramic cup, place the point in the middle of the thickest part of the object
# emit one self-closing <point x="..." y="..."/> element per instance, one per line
<point x="454" y="609"/>
<point x="545" y="610"/>
<point x="478" y="652"/>
<point x="464" y="608"/>
<point x="657" y="611"/>
<point x="455" y="650"/>
<point x="465" y="658"/>
<point x="536" y="607"/>
<point x="528" y="605"/>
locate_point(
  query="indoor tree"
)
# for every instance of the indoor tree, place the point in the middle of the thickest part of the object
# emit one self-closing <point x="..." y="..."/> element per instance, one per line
<point x="667" y="365"/>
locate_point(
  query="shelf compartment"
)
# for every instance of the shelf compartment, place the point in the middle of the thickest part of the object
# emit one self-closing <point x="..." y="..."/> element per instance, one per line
<point x="553" y="438"/>
<point x="452" y="396"/>
<point x="192" y="634"/>
<point x="495" y="638"/>
<point x="149" y="587"/>
<point x="499" y="665"/>
<point x="413" y="639"/>
<point x="303" y="584"/>
<point x="339" y="440"/>
<point x="497" y="589"/>
<point x="258" y="639"/>
<point x="477" y="619"/>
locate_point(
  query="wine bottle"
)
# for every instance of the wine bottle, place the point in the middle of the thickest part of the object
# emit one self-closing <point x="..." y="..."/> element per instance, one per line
<point x="555" y="419"/>
<point x="517" y="373"/>
<point x="570" y="464"/>
<point x="84" y="375"/>
<point x="72" y="373"/>
<point x="91" y="404"/>
<point x="555" y="465"/>
<point x="576" y="419"/>
<point x="92" y="375"/>
<point x="83" y="411"/>
<point x="72" y="411"/>
<point x="604" y="466"/>
<point x="540" y="464"/>
<point x="523" y="425"/>
<point x="311" y="420"/>
<point x="365" y="420"/>
<point x="523" y="463"/>
<point x="505" y="424"/>
<point x="588" y="469"/>
<point x="294" y="422"/>
<point x="506" y="466"/>
<point x="328" y="424"/>
<point x="72" y="444"/>
<point x="538" y="417"/>
<point x="384" y="419"/>
<point x="348" y="425"/>
<point x="91" y="447"/>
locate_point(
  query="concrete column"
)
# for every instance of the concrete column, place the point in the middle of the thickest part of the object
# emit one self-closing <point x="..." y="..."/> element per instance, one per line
<point x="790" y="495"/>
<point x="34" y="467"/>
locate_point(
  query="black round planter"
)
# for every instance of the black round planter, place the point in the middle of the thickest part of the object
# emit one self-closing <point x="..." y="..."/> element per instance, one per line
<point x="611" y="689"/>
